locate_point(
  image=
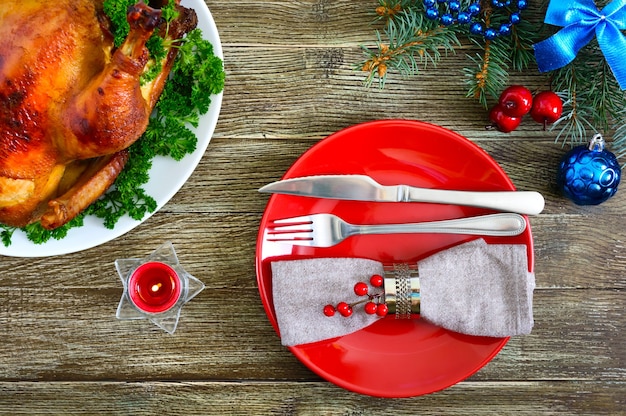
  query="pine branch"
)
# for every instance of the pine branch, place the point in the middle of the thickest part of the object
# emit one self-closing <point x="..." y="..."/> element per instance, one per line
<point x="619" y="139"/>
<point x="606" y="96"/>
<point x="414" y="42"/>
<point x="489" y="75"/>
<point x="389" y="8"/>
<point x="576" y="118"/>
<point x="593" y="100"/>
<point x="520" y="46"/>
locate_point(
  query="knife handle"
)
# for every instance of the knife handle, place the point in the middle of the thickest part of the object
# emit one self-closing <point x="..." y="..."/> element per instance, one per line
<point x="521" y="202"/>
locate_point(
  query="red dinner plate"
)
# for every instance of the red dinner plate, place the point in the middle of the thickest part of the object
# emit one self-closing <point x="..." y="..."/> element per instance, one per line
<point x="391" y="358"/>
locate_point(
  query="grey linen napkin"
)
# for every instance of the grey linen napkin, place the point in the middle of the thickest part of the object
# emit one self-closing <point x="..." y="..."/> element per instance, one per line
<point x="474" y="288"/>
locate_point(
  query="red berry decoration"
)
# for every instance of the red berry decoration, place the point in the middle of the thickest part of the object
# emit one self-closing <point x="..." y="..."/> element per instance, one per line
<point x="382" y="309"/>
<point x="516" y="101"/>
<point x="372" y="301"/>
<point x="501" y="120"/>
<point x="376" y="280"/>
<point x="547" y="108"/>
<point x="329" y="310"/>
<point x="361" y="289"/>
<point x="344" y="309"/>
<point x="371" y="308"/>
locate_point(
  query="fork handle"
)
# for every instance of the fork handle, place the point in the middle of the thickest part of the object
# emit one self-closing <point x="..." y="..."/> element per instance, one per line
<point x="499" y="225"/>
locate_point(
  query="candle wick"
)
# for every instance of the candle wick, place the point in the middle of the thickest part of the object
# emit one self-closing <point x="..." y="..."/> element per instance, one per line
<point x="155" y="288"/>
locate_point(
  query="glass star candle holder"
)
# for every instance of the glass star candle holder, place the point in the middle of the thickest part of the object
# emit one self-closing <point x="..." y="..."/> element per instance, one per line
<point x="156" y="288"/>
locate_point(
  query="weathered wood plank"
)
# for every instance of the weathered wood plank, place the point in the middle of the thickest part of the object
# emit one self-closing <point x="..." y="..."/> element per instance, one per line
<point x="223" y="247"/>
<point x="224" y="335"/>
<point x="288" y="90"/>
<point x="233" y="169"/>
<point x="270" y="23"/>
<point x="309" y="398"/>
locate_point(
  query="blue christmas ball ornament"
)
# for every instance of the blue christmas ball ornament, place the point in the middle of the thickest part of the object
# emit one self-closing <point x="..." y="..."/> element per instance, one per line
<point x="432" y="13"/>
<point x="474" y="9"/>
<point x="490" y="33"/>
<point x="477" y="28"/>
<point x="452" y="12"/>
<point x="463" y="18"/>
<point x="447" y="19"/>
<point x="589" y="175"/>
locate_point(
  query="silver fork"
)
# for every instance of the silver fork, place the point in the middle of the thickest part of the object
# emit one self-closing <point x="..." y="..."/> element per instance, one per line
<point x="326" y="230"/>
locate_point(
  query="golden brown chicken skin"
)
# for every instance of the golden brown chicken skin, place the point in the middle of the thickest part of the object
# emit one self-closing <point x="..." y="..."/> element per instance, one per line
<point x="70" y="104"/>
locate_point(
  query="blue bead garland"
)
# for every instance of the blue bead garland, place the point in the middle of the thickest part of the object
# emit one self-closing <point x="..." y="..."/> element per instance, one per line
<point x="453" y="14"/>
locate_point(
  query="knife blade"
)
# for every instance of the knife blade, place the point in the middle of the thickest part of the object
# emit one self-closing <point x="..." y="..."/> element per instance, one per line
<point x="364" y="188"/>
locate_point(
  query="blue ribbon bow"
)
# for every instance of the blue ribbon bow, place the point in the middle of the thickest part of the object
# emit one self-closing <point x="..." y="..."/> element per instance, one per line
<point x="580" y="20"/>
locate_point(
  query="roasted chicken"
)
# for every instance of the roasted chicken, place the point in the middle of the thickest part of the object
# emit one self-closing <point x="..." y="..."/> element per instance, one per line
<point x="71" y="103"/>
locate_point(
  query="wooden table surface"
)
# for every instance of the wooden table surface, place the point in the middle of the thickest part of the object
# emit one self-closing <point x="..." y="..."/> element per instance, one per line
<point x="290" y="83"/>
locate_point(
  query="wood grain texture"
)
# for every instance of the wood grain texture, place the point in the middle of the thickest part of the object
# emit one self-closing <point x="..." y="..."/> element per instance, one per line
<point x="309" y="398"/>
<point x="290" y="83"/>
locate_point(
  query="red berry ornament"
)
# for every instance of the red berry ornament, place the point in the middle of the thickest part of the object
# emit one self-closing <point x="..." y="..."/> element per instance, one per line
<point x="344" y="309"/>
<point x="361" y="289"/>
<point x="516" y="101"/>
<point x="502" y="121"/>
<point x="329" y="310"/>
<point x="547" y="108"/>
<point x="372" y="302"/>
<point x="371" y="308"/>
<point x="376" y="280"/>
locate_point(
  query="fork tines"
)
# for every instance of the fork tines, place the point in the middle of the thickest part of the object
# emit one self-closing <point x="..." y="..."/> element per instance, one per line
<point x="289" y="229"/>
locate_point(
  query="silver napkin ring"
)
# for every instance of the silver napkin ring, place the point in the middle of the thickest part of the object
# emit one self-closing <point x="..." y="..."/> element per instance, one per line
<point x="402" y="289"/>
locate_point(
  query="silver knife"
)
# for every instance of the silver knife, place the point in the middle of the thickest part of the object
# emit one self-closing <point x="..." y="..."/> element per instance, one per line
<point x="364" y="188"/>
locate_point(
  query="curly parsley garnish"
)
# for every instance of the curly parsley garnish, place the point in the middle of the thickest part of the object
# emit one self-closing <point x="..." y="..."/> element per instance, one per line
<point x="196" y="74"/>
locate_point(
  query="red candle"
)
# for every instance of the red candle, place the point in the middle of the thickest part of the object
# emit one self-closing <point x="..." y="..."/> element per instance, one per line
<point x="154" y="287"/>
